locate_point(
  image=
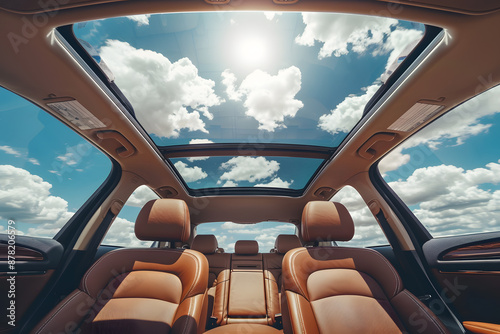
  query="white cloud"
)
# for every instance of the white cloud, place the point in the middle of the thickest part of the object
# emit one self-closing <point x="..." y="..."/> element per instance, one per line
<point x="393" y="161"/>
<point x="367" y="229"/>
<point x="11" y="151"/>
<point x="277" y="183"/>
<point x="271" y="15"/>
<point x="199" y="141"/>
<point x="400" y="41"/>
<point x="347" y="113"/>
<point x="68" y="158"/>
<point x="339" y="31"/>
<point x="190" y="174"/>
<point x="142" y="19"/>
<point x="250" y="169"/>
<point x="141" y="196"/>
<point x="26" y="198"/>
<point x="167" y="96"/>
<point x="34" y="161"/>
<point x="229" y="183"/>
<point x="267" y="98"/>
<point x="450" y="200"/>
<point x="121" y="233"/>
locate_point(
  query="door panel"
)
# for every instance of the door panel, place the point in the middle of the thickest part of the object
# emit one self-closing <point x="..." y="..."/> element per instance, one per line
<point x="468" y="270"/>
<point x="35" y="262"/>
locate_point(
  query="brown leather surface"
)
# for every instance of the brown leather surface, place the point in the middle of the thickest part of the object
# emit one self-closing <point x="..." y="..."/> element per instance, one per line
<point x="482" y="327"/>
<point x="221" y="297"/>
<point x="205" y="243"/>
<point x="286" y="242"/>
<point x="299" y="263"/>
<point x="246" y="247"/>
<point x="160" y="285"/>
<point x="154" y="315"/>
<point x="67" y="314"/>
<point x="326" y="221"/>
<point x="272" y="298"/>
<point x="246" y="294"/>
<point x="244" y="329"/>
<point x="416" y="317"/>
<point x="191" y="265"/>
<point x="349" y="290"/>
<point x="353" y="314"/>
<point x="137" y="290"/>
<point x="245" y="257"/>
<point x="163" y="219"/>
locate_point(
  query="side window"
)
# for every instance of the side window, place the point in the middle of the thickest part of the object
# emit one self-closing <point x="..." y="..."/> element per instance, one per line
<point x="121" y="232"/>
<point x="449" y="173"/>
<point x="367" y="231"/>
<point x="47" y="171"/>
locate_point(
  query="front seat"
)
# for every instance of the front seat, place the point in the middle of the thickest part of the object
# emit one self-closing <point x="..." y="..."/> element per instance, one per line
<point x="148" y="290"/>
<point x="346" y="290"/>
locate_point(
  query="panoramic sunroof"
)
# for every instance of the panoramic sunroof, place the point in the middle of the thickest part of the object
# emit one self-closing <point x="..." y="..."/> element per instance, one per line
<point x="230" y="77"/>
<point x="248" y="77"/>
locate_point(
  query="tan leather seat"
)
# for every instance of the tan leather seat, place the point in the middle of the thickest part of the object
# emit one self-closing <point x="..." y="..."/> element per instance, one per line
<point x="272" y="271"/>
<point x="346" y="290"/>
<point x="140" y="290"/>
<point x="218" y="279"/>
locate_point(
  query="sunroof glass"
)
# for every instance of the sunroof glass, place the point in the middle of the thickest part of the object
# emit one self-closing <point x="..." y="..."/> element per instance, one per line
<point x="232" y="77"/>
<point x="246" y="171"/>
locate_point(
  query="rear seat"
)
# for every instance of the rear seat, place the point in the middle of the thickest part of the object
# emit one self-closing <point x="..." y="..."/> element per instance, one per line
<point x="244" y="287"/>
<point x="272" y="268"/>
<point x="219" y="269"/>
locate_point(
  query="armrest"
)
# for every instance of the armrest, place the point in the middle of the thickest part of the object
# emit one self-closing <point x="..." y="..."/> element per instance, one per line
<point x="481" y="327"/>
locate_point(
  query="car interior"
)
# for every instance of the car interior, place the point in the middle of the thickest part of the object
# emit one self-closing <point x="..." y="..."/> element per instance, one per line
<point x="249" y="166"/>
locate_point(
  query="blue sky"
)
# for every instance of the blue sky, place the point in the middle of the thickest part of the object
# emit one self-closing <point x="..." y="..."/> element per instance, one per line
<point x="195" y="79"/>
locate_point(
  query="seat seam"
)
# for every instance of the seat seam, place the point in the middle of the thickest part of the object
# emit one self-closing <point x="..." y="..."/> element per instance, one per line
<point x="293" y="256"/>
<point x="301" y="320"/>
<point x="425" y="312"/>
<point x="58" y="310"/>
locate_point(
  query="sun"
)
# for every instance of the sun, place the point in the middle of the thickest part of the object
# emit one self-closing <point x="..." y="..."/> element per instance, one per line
<point x="251" y="50"/>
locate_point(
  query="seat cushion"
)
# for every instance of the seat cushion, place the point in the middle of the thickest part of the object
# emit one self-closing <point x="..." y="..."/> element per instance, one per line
<point x="244" y="329"/>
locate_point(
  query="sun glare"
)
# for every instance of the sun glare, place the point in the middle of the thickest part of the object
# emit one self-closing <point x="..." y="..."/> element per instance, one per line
<point x="251" y="50"/>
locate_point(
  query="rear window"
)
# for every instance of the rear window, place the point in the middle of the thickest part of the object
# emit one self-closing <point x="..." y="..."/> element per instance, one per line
<point x="227" y="233"/>
<point x="449" y="173"/>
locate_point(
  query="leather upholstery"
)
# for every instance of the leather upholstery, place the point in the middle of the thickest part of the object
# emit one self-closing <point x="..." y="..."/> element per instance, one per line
<point x="481" y="327"/>
<point x="205" y="243"/>
<point x="246" y="247"/>
<point x="272" y="271"/>
<point x="139" y="290"/>
<point x="346" y="290"/>
<point x="163" y="220"/>
<point x="286" y="242"/>
<point x="218" y="278"/>
<point x="326" y="221"/>
<point x="244" y="329"/>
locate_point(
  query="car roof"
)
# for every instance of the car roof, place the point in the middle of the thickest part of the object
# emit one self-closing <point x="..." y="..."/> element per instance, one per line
<point x="50" y="71"/>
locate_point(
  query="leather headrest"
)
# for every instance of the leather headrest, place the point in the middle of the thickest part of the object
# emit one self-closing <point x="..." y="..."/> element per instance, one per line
<point x="246" y="247"/>
<point x="163" y="219"/>
<point x="326" y="221"/>
<point x="285" y="242"/>
<point x="205" y="243"/>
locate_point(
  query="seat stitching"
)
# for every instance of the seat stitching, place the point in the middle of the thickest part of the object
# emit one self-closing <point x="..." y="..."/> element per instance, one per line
<point x="425" y="312"/>
<point x="58" y="310"/>
<point x="294" y="255"/>
<point x="301" y="320"/>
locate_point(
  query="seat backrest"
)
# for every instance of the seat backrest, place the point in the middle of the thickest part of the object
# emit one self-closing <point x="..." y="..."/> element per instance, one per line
<point x="141" y="290"/>
<point x="345" y="290"/>
<point x="219" y="272"/>
<point x="207" y="245"/>
<point x="272" y="271"/>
